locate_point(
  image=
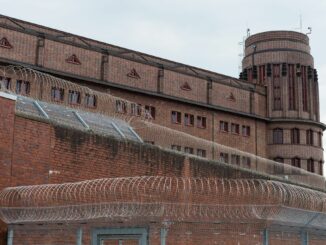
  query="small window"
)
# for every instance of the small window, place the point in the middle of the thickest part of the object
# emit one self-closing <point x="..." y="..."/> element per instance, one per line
<point x="121" y="106"/>
<point x="176" y="147"/>
<point x="189" y="120"/>
<point x="279" y="168"/>
<point x="235" y="128"/>
<point x="135" y="109"/>
<point x="277" y="136"/>
<point x="73" y="97"/>
<point x="295" y="136"/>
<point x="310" y="137"/>
<point x="149" y="142"/>
<point x="150" y="112"/>
<point x="235" y="159"/>
<point x="321" y="168"/>
<point x="201" y="122"/>
<point x="189" y="150"/>
<point x="5" y="83"/>
<point x="176" y="117"/>
<point x="224" y="126"/>
<point x="224" y="157"/>
<point x="245" y="130"/>
<point x="23" y="87"/>
<point x="295" y="162"/>
<point x="57" y="94"/>
<point x="201" y="153"/>
<point x="320" y="139"/>
<point x="310" y="165"/>
<point x="90" y="100"/>
<point x="246" y="162"/>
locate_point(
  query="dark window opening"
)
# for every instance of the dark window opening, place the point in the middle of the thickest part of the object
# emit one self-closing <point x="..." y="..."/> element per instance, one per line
<point x="277" y="88"/>
<point x="235" y="128"/>
<point x="135" y="109"/>
<point x="121" y="106"/>
<point x="295" y="136"/>
<point x="224" y="126"/>
<point x="189" y="150"/>
<point x="292" y="97"/>
<point x="90" y="100"/>
<point x="189" y="120"/>
<point x="310" y="137"/>
<point x="224" y="157"/>
<point x="23" y="87"/>
<point x="235" y="159"/>
<point x="176" y="147"/>
<point x="73" y="97"/>
<point x="201" y="152"/>
<point x="310" y="165"/>
<point x="150" y="112"/>
<point x="57" y="94"/>
<point x="277" y="136"/>
<point x="245" y="130"/>
<point x="5" y="83"/>
<point x="201" y="122"/>
<point x="176" y="117"/>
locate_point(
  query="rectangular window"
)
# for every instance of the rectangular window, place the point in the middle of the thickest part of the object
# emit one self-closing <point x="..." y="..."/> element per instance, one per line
<point x="201" y="122"/>
<point x="135" y="109"/>
<point x="121" y="106"/>
<point x="295" y="162"/>
<point x="23" y="87"/>
<point x="149" y="142"/>
<point x="262" y="74"/>
<point x="176" y="117"/>
<point x="235" y="159"/>
<point x="295" y="136"/>
<point x="278" y="136"/>
<point x="73" y="97"/>
<point x="320" y="139"/>
<point x="235" y="128"/>
<point x="57" y="94"/>
<point x="176" y="147"/>
<point x="90" y="100"/>
<point x="224" y="126"/>
<point x="201" y="153"/>
<point x="224" y="157"/>
<point x="250" y="75"/>
<point x="321" y="168"/>
<point x="245" y="130"/>
<point x="310" y="137"/>
<point x="277" y="88"/>
<point x="189" y="150"/>
<point x="310" y="165"/>
<point x="246" y="162"/>
<point x="279" y="168"/>
<point x="189" y="120"/>
<point x="304" y="88"/>
<point x="150" y="112"/>
<point x="292" y="98"/>
<point x="5" y="83"/>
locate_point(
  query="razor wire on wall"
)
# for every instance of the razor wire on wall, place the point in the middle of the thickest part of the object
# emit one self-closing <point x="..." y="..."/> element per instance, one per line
<point x="166" y="199"/>
<point x="42" y="86"/>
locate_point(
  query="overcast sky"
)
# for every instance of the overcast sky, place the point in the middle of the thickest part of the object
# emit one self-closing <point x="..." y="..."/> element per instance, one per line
<point x="202" y="33"/>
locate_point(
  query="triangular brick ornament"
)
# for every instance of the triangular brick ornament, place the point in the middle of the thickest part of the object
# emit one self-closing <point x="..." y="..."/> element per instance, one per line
<point x="186" y="86"/>
<point x="133" y="74"/>
<point x="4" y="43"/>
<point x="73" y="60"/>
<point x="231" y="97"/>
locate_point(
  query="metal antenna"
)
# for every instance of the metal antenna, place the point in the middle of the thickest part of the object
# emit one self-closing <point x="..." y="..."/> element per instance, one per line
<point x="310" y="30"/>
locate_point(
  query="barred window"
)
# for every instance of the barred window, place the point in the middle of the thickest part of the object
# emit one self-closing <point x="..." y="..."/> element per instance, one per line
<point x="176" y="117"/>
<point x="189" y="120"/>
<point x="224" y="126"/>
<point x="5" y="82"/>
<point x="189" y="150"/>
<point x="310" y="165"/>
<point x="201" y="122"/>
<point x="295" y="136"/>
<point x="57" y="94"/>
<point x="73" y="97"/>
<point x="310" y="137"/>
<point x="135" y="109"/>
<point x="176" y="147"/>
<point x="224" y="157"/>
<point x="150" y="112"/>
<point x="121" y="106"/>
<point x="245" y="130"/>
<point x="23" y="87"/>
<point x="90" y="100"/>
<point x="277" y="136"/>
<point x="235" y="128"/>
<point x="201" y="152"/>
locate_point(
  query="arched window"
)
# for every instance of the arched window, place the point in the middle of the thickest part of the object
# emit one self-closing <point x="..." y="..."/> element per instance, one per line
<point x="277" y="136"/>
<point x="310" y="137"/>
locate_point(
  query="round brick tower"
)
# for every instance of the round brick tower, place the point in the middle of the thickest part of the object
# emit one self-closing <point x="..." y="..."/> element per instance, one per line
<point x="281" y="61"/>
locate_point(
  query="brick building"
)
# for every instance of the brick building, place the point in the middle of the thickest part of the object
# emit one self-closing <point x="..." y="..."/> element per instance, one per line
<point x="271" y="112"/>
